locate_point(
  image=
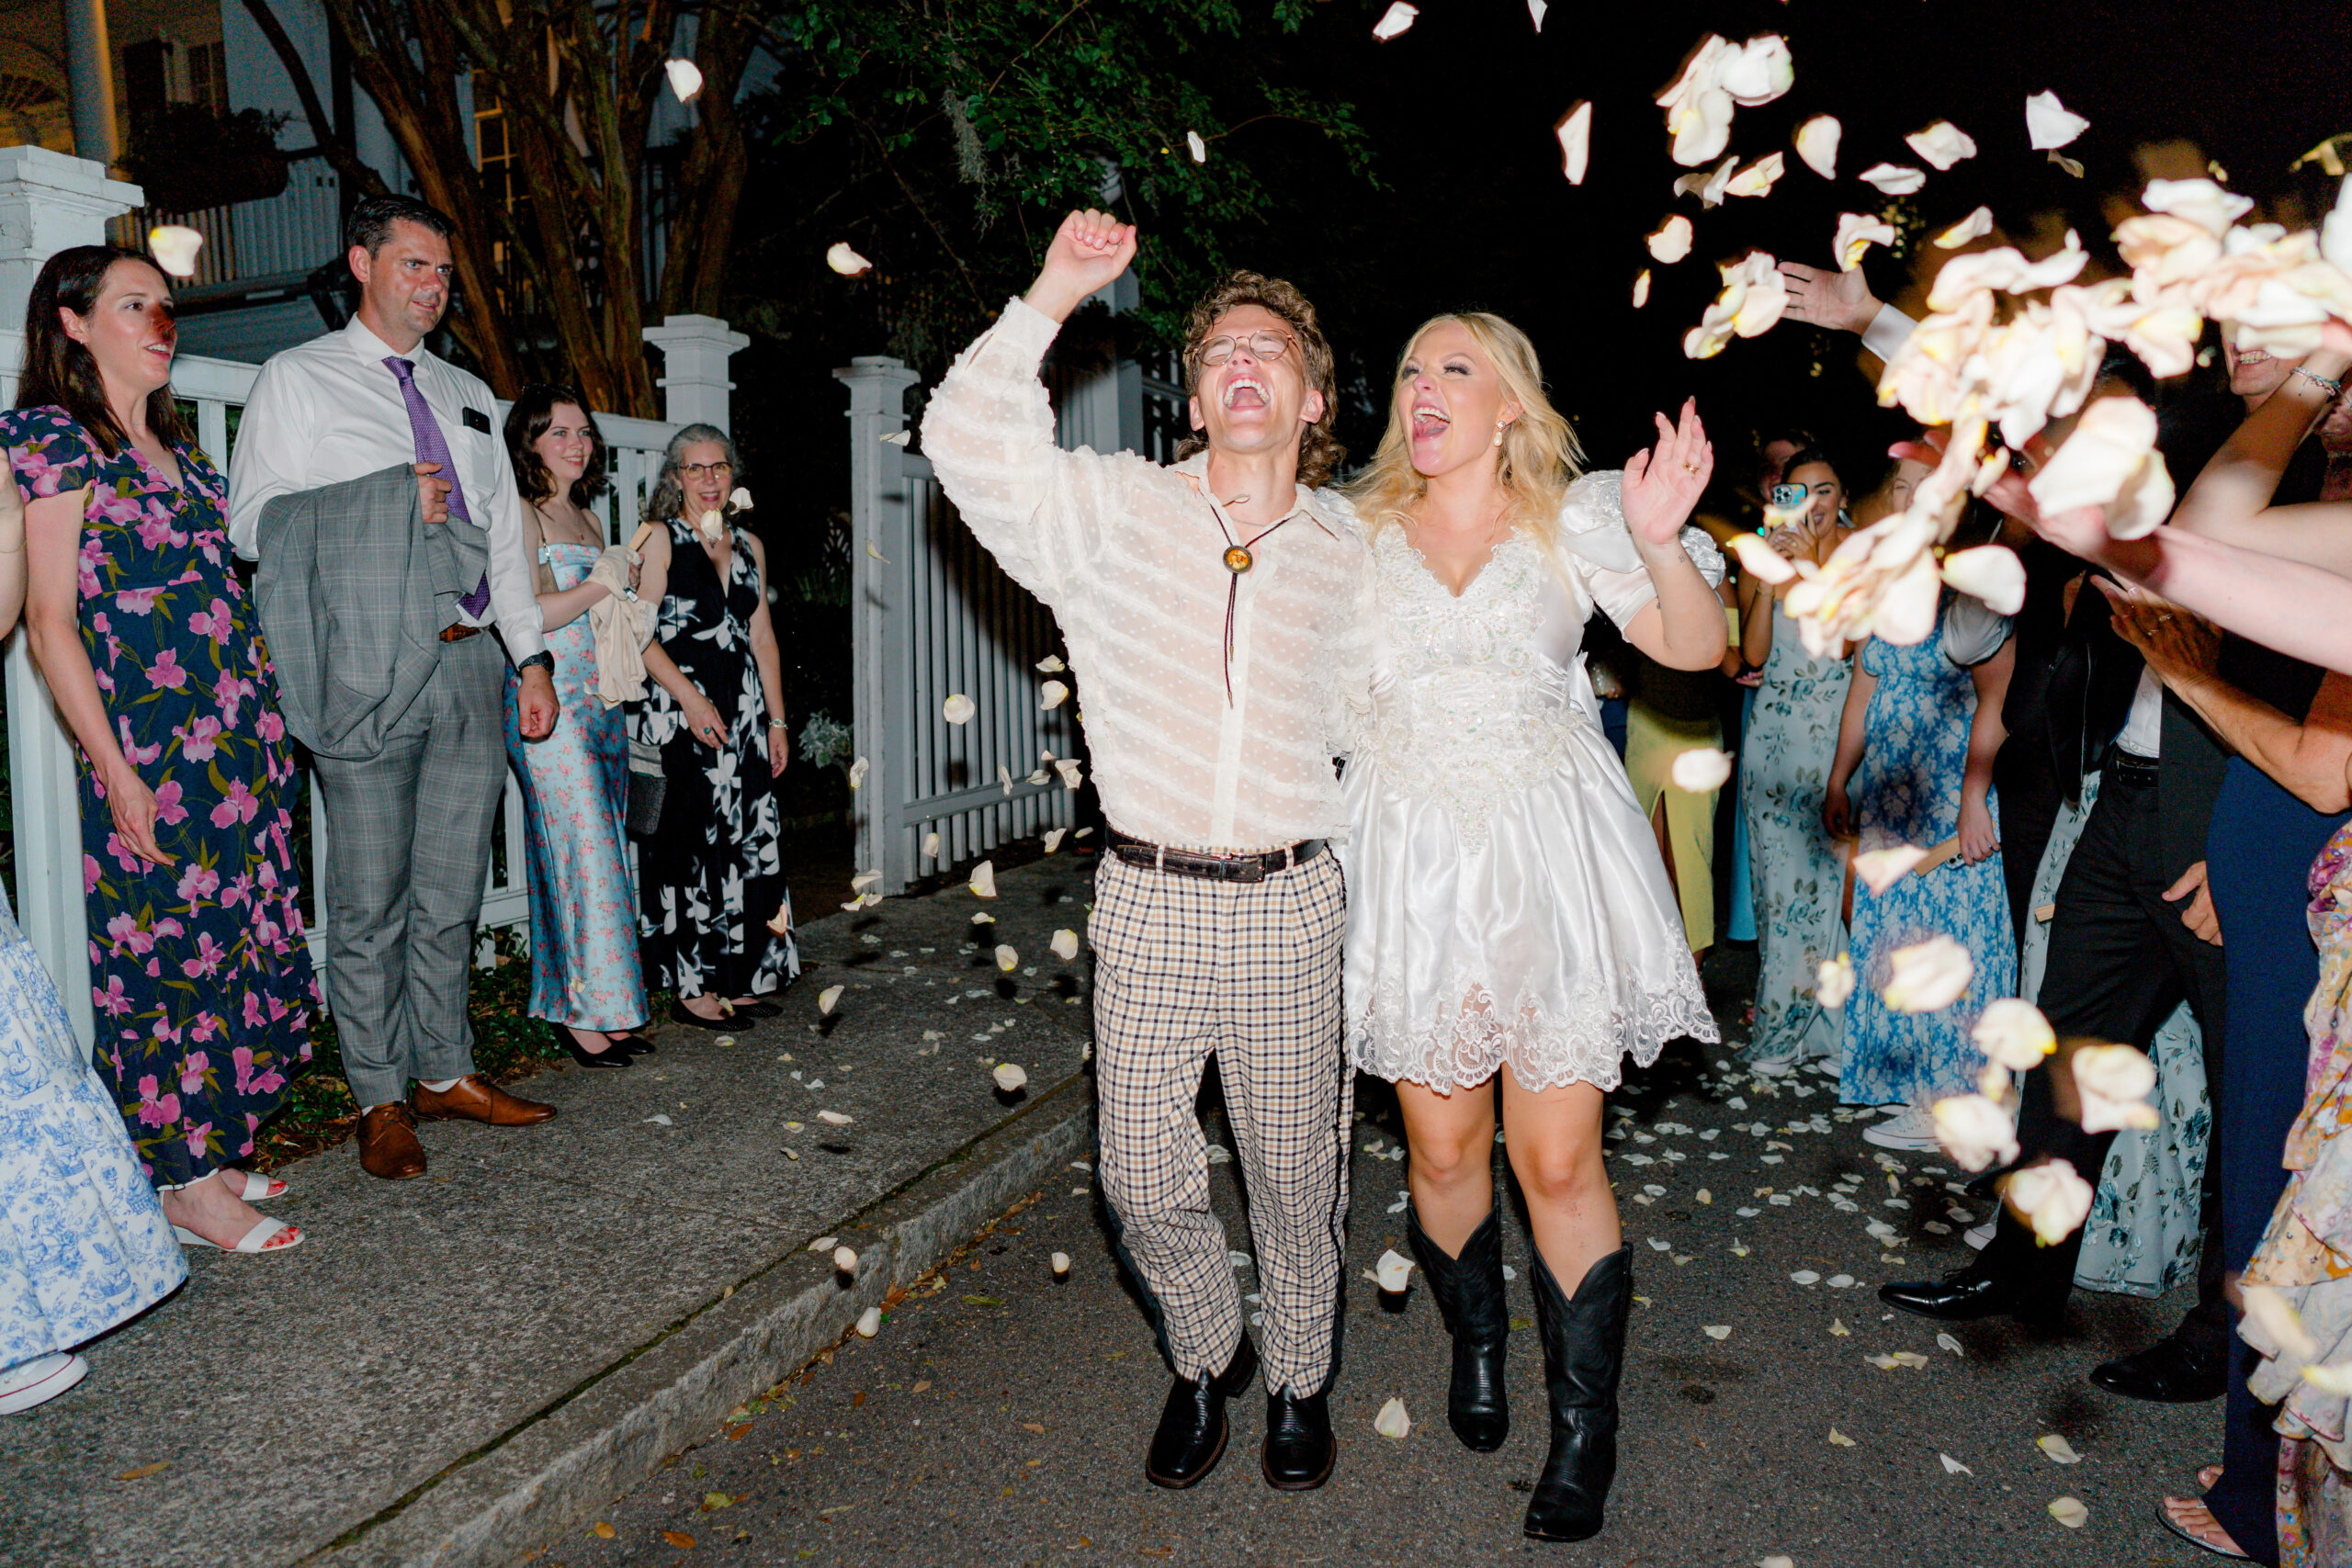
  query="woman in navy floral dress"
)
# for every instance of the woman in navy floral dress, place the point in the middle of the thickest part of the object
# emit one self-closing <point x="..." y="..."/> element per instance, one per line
<point x="199" y="973"/>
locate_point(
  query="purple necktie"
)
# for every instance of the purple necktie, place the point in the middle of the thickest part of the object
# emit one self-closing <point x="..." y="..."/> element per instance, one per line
<point x="432" y="448"/>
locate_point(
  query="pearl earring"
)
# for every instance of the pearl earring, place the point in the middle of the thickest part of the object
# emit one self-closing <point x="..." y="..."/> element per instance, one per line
<point x="1500" y="425"/>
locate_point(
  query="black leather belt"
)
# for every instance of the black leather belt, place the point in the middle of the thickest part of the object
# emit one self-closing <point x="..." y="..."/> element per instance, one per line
<point x="2129" y="767"/>
<point x="458" y="633"/>
<point x="1217" y="867"/>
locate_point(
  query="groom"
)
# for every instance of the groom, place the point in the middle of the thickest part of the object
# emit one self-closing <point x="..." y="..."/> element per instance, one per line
<point x="1211" y="611"/>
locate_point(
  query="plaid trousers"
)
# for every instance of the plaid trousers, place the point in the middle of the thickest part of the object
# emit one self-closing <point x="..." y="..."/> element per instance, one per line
<point x="1251" y="971"/>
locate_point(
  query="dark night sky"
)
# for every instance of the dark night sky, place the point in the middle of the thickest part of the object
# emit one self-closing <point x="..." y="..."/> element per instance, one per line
<point x="1474" y="211"/>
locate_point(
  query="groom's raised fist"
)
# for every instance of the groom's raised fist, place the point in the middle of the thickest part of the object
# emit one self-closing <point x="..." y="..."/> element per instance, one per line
<point x="1087" y="251"/>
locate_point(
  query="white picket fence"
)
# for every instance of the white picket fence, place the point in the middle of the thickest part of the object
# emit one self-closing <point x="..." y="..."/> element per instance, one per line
<point x="49" y="894"/>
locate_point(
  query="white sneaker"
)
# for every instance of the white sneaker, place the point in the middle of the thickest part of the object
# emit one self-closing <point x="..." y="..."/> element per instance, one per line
<point x="1981" y="1237"/>
<point x="39" y="1380"/>
<point x="1773" y="1067"/>
<point x="1914" y="1127"/>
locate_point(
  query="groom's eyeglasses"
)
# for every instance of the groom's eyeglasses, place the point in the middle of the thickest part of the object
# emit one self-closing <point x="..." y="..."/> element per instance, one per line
<point x="1266" y="346"/>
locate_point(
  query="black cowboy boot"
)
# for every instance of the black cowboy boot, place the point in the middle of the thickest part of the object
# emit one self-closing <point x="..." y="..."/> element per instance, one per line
<point x="1299" y="1448"/>
<point x="1584" y="1353"/>
<point x="1192" y="1432"/>
<point x="1469" y="1292"/>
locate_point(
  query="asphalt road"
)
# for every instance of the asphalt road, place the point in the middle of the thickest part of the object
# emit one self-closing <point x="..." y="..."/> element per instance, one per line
<point x="1000" y="1414"/>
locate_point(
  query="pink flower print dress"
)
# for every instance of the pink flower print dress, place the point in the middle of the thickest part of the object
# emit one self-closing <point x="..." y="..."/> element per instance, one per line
<point x="199" y="972"/>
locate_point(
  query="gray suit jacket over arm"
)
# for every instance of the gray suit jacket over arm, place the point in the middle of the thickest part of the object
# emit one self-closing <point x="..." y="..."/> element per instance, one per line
<point x="354" y="589"/>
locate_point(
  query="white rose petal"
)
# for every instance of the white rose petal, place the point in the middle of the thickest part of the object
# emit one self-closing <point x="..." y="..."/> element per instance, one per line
<point x="1051" y="665"/>
<point x="1945" y="1341"/>
<point x="1575" y="131"/>
<point x="1716" y="1330"/>
<point x="1642" y="289"/>
<point x="1071" y="778"/>
<point x="1672" y="242"/>
<point x="930" y="846"/>
<point x="959" y="709"/>
<point x="1061" y="1264"/>
<point x="1857" y="232"/>
<point x="1052" y="694"/>
<point x="1975" y="226"/>
<point x="174" y="246"/>
<point x="1974" y="1131"/>
<point x="1941" y="145"/>
<point x="1395" y="20"/>
<point x="1393" y="1271"/>
<point x="869" y="1323"/>
<point x="1392" y="1422"/>
<point x="2274" y="1317"/>
<point x="1990" y="572"/>
<point x="1894" y="179"/>
<point x="1709" y="185"/>
<point x="742" y="500"/>
<point x="1817" y="144"/>
<point x="2202" y="202"/>
<point x="827" y="997"/>
<point x="2114" y="1082"/>
<point x="2013" y="1034"/>
<point x="863" y="880"/>
<point x="1834" y="981"/>
<point x="2052" y="1197"/>
<point x="1953" y="1466"/>
<point x="1754" y="297"/>
<point x="2070" y="1512"/>
<point x="1882" y="869"/>
<point x="834" y="1119"/>
<point x="845" y="261"/>
<point x="2005" y="267"/>
<point x="2057" y="1448"/>
<point x="1698" y="107"/>
<point x="686" y="79"/>
<point x="1806" y="1277"/>
<point x="1010" y="1077"/>
<point x="2049" y="123"/>
<point x="1757" y="178"/>
<point x="1927" y="976"/>
<point x="2069" y="164"/>
<point x="781" y="921"/>
<point x="983" y="883"/>
<point x="1196" y="147"/>
<point x="1758" y="559"/>
<point x="845" y="1261"/>
<point x="1007" y="959"/>
<point x="1065" y="945"/>
<point x="857" y="771"/>
<point x="1701" y="768"/>
<point x="2111" y="460"/>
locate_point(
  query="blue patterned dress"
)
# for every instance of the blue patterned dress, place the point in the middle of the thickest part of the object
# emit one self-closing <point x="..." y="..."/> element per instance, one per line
<point x="1907" y="791"/>
<point x="199" y="972"/>
<point x="575" y="824"/>
<point x="84" y="1245"/>
<point x="1794" y="876"/>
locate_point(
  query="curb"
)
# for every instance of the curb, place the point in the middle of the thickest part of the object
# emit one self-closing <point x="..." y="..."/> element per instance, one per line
<point x="546" y="1475"/>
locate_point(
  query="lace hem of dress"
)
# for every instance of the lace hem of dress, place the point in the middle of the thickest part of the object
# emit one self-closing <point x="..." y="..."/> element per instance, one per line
<point x="1543" y="1050"/>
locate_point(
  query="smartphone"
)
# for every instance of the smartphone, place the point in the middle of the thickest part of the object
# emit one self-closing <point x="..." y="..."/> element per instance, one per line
<point x="1788" y="495"/>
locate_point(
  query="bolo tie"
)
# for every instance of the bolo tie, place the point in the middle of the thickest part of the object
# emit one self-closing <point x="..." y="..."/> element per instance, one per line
<point x="1238" y="559"/>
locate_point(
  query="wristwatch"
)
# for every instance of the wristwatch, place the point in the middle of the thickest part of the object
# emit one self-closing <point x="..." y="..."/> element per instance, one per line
<point x="543" y="659"/>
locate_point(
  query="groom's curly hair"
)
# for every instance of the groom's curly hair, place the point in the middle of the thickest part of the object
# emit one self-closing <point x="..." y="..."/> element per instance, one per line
<point x="1319" y="452"/>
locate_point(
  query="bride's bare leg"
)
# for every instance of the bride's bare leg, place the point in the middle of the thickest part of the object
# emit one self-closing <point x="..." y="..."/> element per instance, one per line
<point x="1451" y="1171"/>
<point x="1553" y="1136"/>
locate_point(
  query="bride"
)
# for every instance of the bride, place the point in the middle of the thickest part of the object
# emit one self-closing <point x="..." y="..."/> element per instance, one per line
<point x="1506" y="907"/>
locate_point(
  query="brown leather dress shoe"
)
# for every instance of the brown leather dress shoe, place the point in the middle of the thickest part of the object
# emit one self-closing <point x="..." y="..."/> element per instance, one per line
<point x="388" y="1146"/>
<point x="475" y="1099"/>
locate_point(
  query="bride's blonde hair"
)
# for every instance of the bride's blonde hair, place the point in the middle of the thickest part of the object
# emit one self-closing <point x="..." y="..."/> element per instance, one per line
<point x="1539" y="456"/>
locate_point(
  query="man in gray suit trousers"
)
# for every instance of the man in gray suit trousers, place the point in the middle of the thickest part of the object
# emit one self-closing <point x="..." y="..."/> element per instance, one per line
<point x="410" y="794"/>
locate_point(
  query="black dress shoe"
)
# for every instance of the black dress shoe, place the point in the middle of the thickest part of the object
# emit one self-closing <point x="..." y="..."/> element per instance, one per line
<point x="635" y="1045"/>
<point x="678" y="1014"/>
<point x="2170" y="1371"/>
<point x="1972" y="1294"/>
<point x="1299" y="1449"/>
<point x="758" y="1009"/>
<point x="610" y="1056"/>
<point x="1192" y="1432"/>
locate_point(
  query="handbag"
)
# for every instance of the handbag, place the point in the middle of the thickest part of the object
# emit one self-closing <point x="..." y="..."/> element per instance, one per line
<point x="647" y="787"/>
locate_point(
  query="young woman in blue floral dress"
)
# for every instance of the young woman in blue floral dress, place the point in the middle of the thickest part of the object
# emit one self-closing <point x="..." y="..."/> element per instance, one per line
<point x="199" y="973"/>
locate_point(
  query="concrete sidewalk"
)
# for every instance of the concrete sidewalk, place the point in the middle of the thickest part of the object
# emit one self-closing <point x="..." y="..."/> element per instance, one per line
<point x="450" y="1370"/>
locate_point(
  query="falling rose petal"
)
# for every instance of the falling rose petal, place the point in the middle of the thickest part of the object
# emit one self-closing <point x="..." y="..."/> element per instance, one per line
<point x="1575" y="131"/>
<point x="845" y="261"/>
<point x="863" y="880"/>
<point x="2013" y="1034"/>
<point x="827" y="997"/>
<point x="1755" y="296"/>
<point x="2274" y="1318"/>
<point x="1709" y="185"/>
<point x="1393" y="1271"/>
<point x="2070" y="1512"/>
<point x="1927" y="976"/>
<point x="742" y="500"/>
<point x="1392" y="1422"/>
<point x="984" y="918"/>
<point x="712" y="525"/>
<point x="1052" y="694"/>
<point x="2114" y="1083"/>
<point x="1757" y="178"/>
<point x="1817" y="144"/>
<point x="1010" y="1077"/>
<point x="1716" y="1330"/>
<point x="2111" y="460"/>
<point x="1758" y="559"/>
<point x="1062" y="1264"/>
<point x="1072" y="776"/>
<point x="1893" y="179"/>
<point x="686" y="79"/>
<point x="1757" y="72"/>
<point x="2057" y="1449"/>
<point x="835" y="1118"/>
<point x="845" y="1261"/>
<point x="892" y="438"/>
<point x="1065" y="945"/>
<point x="1196" y="147"/>
<point x="930" y="846"/>
<point x="1395" y="20"/>
<point x="2071" y="165"/>
<point x="1698" y="108"/>
<point x="1882" y="869"/>
<point x="983" y="883"/>
<point x="1857" y="232"/>
<point x="174" y="246"/>
<point x="1004" y="777"/>
<point x="1007" y="959"/>
<point x="2049" y="123"/>
<point x="1642" y="289"/>
<point x="1053" y="835"/>
<point x="1834" y="981"/>
<point x="1990" y="572"/>
<point x="1701" y="768"/>
<point x="1535" y="9"/>
<point x="1941" y="145"/>
<point x="2052" y="1198"/>
<point x="869" y="1323"/>
<point x="1672" y="240"/>
<point x="959" y="709"/>
<point x="1953" y="1466"/>
<point x="1975" y="1131"/>
<point x="1975" y="226"/>
<point x="1051" y="665"/>
<point x="1945" y="1341"/>
<point x="2005" y="268"/>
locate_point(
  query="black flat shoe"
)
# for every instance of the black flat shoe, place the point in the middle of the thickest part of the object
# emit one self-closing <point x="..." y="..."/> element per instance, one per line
<point x="2169" y="1372"/>
<point x="1299" y="1451"/>
<point x="1191" y="1436"/>
<point x="758" y="1009"/>
<point x="635" y="1045"/>
<point x="678" y="1014"/>
<point x="609" y="1057"/>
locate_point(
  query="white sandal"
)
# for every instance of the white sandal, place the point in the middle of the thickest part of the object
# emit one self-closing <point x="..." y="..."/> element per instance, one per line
<point x="39" y="1380"/>
<point x="253" y="1240"/>
<point x="256" y="1188"/>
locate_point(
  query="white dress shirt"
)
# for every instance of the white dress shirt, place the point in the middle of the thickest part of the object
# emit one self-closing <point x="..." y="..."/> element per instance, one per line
<point x="2144" y="731"/>
<point x="1129" y="557"/>
<point x="329" y="411"/>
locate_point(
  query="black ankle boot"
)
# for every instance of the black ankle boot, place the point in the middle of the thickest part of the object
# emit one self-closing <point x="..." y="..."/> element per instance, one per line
<point x="1299" y="1449"/>
<point x="1469" y="1293"/>
<point x="1191" y="1436"/>
<point x="1584" y="1353"/>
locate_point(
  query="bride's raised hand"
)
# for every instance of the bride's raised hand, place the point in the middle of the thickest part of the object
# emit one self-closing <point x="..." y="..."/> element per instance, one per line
<point x="1664" y="483"/>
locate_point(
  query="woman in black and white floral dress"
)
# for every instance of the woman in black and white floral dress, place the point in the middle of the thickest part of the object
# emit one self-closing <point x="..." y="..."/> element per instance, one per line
<point x="715" y="917"/>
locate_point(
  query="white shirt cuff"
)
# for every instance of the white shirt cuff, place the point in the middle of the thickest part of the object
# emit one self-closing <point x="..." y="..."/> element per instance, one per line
<point x="1887" y="332"/>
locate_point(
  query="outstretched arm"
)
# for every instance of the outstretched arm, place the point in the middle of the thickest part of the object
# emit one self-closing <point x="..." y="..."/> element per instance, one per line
<point x="2231" y="500"/>
<point x="1684" y="629"/>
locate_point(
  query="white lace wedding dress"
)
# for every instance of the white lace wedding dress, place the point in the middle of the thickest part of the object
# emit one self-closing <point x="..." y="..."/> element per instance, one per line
<point x="1507" y="904"/>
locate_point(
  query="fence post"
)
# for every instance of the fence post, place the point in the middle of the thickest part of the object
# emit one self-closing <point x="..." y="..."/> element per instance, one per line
<point x="882" y="555"/>
<point x="694" y="351"/>
<point x="48" y="201"/>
